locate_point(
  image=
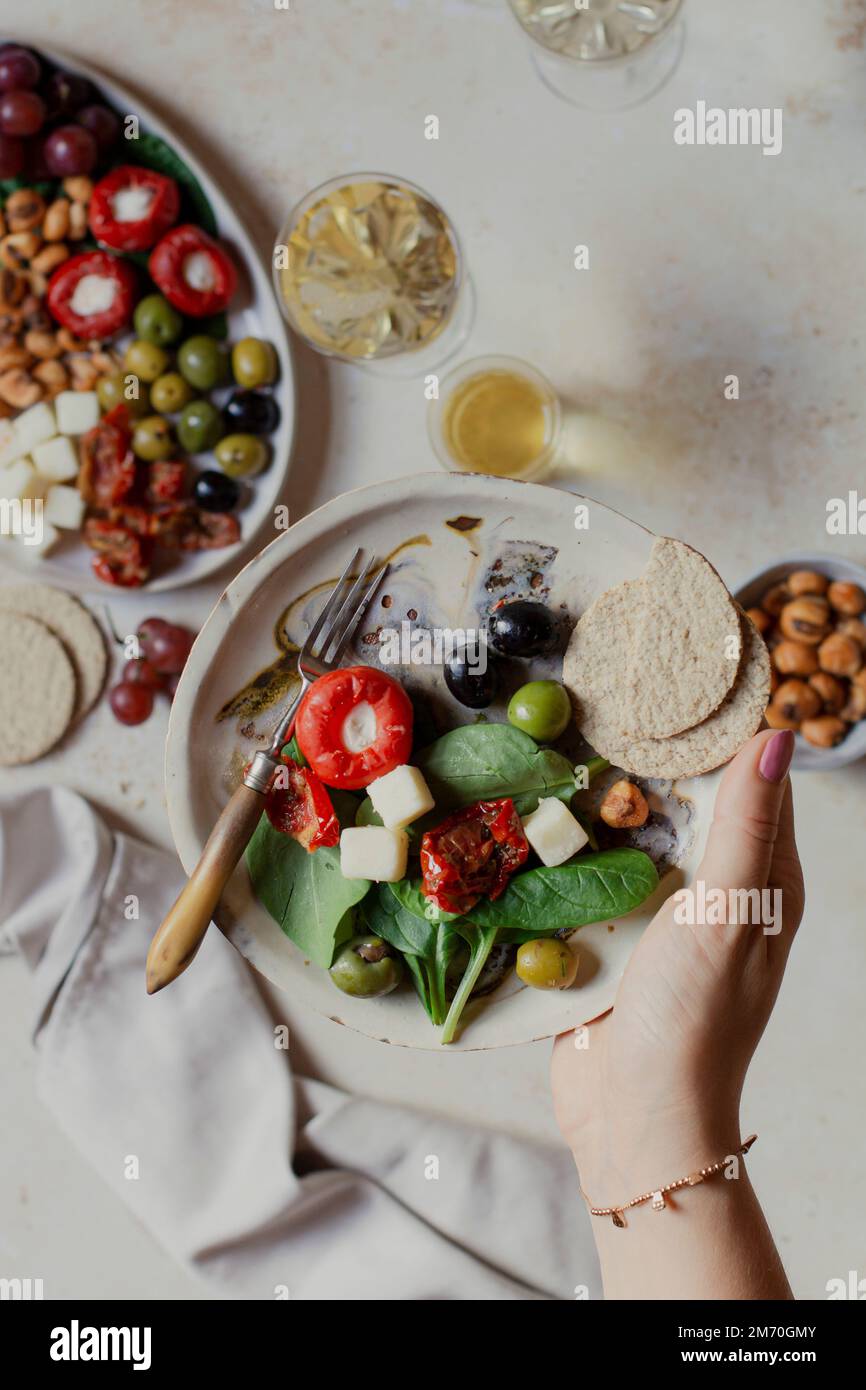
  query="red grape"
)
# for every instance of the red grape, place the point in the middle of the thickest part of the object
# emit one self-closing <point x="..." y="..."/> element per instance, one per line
<point x="21" y="113"/>
<point x="131" y="703"/>
<point x="67" y="91"/>
<point x="70" y="150"/>
<point x="18" y="68"/>
<point x="103" y="125"/>
<point x="169" y="648"/>
<point x="142" y="673"/>
<point x="11" y="157"/>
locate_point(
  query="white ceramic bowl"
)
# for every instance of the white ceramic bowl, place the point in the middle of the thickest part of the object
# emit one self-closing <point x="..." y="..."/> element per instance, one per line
<point x="806" y="757"/>
<point x="440" y="563"/>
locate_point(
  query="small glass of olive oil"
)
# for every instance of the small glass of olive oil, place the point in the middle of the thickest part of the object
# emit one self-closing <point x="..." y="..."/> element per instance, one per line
<point x="495" y="415"/>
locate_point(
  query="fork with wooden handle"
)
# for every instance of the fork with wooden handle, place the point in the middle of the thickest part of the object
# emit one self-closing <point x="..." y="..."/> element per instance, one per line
<point x="177" y="940"/>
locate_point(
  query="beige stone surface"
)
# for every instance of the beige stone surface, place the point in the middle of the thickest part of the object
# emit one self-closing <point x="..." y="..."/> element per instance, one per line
<point x="704" y="263"/>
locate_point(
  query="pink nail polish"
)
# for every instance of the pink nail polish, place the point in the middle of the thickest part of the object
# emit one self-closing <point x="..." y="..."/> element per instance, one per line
<point x="777" y="755"/>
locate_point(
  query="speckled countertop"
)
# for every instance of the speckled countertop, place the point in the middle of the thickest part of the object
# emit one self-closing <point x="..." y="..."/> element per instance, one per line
<point x="704" y="262"/>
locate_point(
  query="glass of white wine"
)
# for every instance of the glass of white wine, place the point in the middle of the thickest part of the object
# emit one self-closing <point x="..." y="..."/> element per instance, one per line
<point x="603" y="55"/>
<point x="368" y="269"/>
<point x="495" y="415"/>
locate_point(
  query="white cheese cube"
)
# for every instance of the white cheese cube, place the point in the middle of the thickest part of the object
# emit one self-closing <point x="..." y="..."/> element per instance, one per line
<point x="400" y="796"/>
<point x="15" y="480"/>
<point x="373" y="851"/>
<point x="34" y="426"/>
<point x="10" y="449"/>
<point x="38" y="487"/>
<point x="64" y="507"/>
<point x="553" y="832"/>
<point x="35" y="549"/>
<point x="57" y="459"/>
<point x="77" y="411"/>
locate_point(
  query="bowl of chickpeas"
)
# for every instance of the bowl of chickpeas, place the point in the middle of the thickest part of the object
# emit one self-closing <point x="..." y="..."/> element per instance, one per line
<point x="811" y="612"/>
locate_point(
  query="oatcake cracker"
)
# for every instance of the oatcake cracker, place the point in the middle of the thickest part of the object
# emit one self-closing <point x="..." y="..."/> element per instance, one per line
<point x="680" y="665"/>
<point x="595" y="667"/>
<point x="76" y="627"/>
<point x="37" y="689"/>
<point x="714" y="741"/>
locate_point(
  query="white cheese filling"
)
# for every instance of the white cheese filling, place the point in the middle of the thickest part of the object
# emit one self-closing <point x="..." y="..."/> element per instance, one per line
<point x="93" y="295"/>
<point x="198" y="271"/>
<point x="132" y="204"/>
<point x="359" y="728"/>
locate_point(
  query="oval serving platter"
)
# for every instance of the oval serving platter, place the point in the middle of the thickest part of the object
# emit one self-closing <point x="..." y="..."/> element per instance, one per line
<point x="256" y="314"/>
<point x="457" y="543"/>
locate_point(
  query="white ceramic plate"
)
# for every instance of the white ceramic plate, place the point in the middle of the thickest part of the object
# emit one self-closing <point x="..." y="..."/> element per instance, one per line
<point x="440" y="575"/>
<point x="254" y="312"/>
<point x="807" y="758"/>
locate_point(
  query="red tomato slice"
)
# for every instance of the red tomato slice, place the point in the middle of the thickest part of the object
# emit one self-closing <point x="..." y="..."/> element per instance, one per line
<point x="298" y="805"/>
<point x="355" y="725"/>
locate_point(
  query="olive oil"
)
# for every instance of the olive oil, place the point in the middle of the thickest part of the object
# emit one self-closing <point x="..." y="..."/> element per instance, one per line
<point x="498" y="420"/>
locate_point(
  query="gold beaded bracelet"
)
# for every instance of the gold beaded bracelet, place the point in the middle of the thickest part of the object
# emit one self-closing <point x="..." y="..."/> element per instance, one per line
<point x="657" y="1197"/>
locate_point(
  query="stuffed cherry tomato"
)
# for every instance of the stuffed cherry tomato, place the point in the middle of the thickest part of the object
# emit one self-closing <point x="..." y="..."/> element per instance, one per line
<point x="92" y="294"/>
<point x="298" y="805"/>
<point x="193" y="271"/>
<point x="472" y="854"/>
<point x="131" y="208"/>
<point x="355" y="725"/>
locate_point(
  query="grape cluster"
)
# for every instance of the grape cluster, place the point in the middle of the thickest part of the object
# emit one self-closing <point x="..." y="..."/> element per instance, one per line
<point x="50" y="125"/>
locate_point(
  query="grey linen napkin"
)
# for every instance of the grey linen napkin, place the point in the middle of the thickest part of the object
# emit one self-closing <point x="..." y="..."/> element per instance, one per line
<point x="263" y="1184"/>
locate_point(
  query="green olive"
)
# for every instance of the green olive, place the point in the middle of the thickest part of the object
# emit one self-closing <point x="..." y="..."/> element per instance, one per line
<point x="170" y="393"/>
<point x="365" y="967"/>
<point x="202" y="361"/>
<point x="541" y="709"/>
<point x="254" y="362"/>
<point x="156" y="321"/>
<point x="199" y="427"/>
<point x="241" y="455"/>
<point x="145" y="359"/>
<point x="548" y="963"/>
<point x="152" y="438"/>
<point x="123" y="388"/>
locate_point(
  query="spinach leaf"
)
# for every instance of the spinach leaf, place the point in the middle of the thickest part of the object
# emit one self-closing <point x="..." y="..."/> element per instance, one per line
<point x="306" y="894"/>
<point x="480" y="940"/>
<point x="408" y="894"/>
<point x="589" y="888"/>
<point x="482" y="761"/>
<point x="428" y="947"/>
<point x="153" y="152"/>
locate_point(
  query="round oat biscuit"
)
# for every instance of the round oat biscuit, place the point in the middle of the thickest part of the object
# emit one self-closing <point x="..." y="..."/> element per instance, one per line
<point x="76" y="627"/>
<point x="715" y="741"/>
<point x="595" y="666"/>
<point x="680" y="666"/>
<point x="37" y="689"/>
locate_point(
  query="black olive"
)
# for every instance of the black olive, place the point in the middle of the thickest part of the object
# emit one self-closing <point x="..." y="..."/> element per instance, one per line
<point x="252" y="412"/>
<point x="523" y="628"/>
<point x="216" y="492"/>
<point x="474" y="688"/>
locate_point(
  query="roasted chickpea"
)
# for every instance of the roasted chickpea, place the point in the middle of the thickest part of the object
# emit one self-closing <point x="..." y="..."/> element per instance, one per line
<point x="825" y="731"/>
<point x="831" y="691"/>
<point x="774" y="680"/>
<point x="860" y="677"/>
<point x="624" y="806"/>
<point x="840" y="655"/>
<point x="853" y="628"/>
<point x="805" y="620"/>
<point x="846" y="598"/>
<point x="855" y="707"/>
<point x="763" y="622"/>
<point x="797" y="700"/>
<point x="795" y="659"/>
<point x="774" y="599"/>
<point x="777" y="720"/>
<point x="807" y="582"/>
